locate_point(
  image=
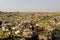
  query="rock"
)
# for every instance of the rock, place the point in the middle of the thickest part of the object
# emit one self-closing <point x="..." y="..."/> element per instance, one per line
<point x="3" y="28"/>
<point x="49" y="37"/>
<point x="38" y="29"/>
<point x="34" y="37"/>
<point x="56" y="34"/>
<point x="18" y="31"/>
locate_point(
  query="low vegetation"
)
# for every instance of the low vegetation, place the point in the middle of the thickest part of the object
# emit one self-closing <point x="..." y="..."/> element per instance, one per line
<point x="29" y="26"/>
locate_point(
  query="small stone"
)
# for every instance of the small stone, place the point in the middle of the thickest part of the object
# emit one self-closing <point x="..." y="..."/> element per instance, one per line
<point x="17" y="31"/>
